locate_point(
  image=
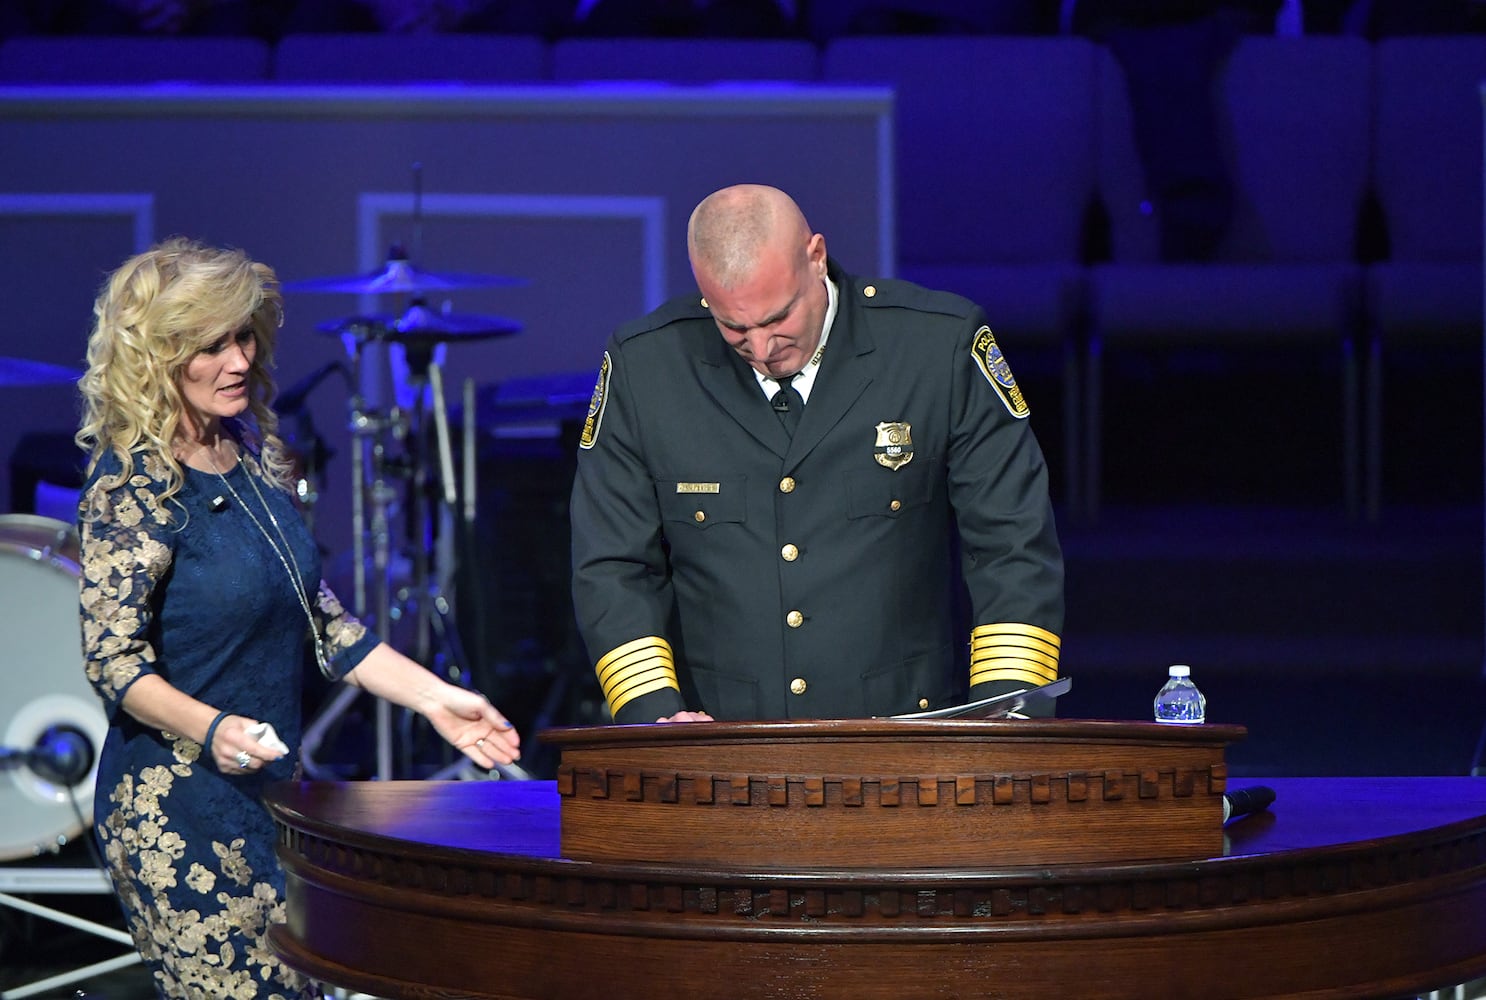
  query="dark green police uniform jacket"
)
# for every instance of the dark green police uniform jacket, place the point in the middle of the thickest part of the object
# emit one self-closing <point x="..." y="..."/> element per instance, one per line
<point x="721" y="565"/>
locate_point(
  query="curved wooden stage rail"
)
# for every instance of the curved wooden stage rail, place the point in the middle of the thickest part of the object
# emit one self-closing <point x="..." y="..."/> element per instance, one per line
<point x="1348" y="887"/>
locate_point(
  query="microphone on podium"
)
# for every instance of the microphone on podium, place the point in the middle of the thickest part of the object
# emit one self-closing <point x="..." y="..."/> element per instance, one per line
<point x="1243" y="802"/>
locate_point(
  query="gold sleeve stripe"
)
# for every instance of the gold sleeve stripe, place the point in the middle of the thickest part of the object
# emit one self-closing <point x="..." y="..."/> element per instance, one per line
<point x="1011" y="646"/>
<point x="621" y="658"/>
<point x="1009" y="670"/>
<point x="1007" y="646"/>
<point x="636" y="668"/>
<point x="660" y="681"/>
<point x="1016" y="629"/>
<point x="983" y="658"/>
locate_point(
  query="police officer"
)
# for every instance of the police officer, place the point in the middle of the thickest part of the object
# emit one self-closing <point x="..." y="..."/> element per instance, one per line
<point x="769" y="484"/>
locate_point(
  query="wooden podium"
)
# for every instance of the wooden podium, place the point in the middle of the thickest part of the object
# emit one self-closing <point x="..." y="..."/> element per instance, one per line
<point x="882" y="793"/>
<point x="781" y="860"/>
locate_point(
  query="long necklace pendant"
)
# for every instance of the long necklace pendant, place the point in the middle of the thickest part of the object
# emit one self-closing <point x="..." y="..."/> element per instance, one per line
<point x="322" y="655"/>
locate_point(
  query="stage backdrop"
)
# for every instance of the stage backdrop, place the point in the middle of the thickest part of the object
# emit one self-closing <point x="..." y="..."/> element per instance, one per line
<point x="581" y="192"/>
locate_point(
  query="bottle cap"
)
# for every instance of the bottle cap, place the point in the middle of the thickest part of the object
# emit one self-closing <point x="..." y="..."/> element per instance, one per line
<point x="1177" y="670"/>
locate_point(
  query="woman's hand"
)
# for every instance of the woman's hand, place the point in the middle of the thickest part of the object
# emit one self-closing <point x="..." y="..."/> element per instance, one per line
<point x="464" y="718"/>
<point x="472" y="725"/>
<point x="234" y="750"/>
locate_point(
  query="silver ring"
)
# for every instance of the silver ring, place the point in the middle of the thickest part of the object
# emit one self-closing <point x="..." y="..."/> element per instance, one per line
<point x="479" y="743"/>
<point x="244" y="759"/>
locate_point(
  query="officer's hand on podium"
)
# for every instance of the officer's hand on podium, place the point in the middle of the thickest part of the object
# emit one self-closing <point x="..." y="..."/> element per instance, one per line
<point x="686" y="717"/>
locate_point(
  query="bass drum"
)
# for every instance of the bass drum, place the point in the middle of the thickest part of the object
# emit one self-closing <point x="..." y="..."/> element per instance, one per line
<point x="42" y="683"/>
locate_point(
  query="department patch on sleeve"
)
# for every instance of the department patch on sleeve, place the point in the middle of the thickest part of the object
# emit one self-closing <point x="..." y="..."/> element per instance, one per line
<point x="596" y="405"/>
<point x="993" y="366"/>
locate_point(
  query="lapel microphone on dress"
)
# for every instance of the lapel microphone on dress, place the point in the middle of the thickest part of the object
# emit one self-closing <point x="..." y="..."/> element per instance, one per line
<point x="218" y="504"/>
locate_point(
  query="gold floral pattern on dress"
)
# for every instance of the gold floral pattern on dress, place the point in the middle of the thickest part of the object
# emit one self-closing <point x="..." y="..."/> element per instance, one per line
<point x="195" y="947"/>
<point x="341" y="630"/>
<point x="122" y="559"/>
<point x="186" y="753"/>
<point x="201" y="878"/>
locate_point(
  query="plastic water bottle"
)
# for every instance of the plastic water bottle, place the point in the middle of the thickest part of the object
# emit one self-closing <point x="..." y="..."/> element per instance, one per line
<point x="1179" y="700"/>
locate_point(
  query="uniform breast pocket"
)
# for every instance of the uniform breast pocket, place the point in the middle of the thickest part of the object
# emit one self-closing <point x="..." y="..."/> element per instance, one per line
<point x="702" y="504"/>
<point x="884" y="493"/>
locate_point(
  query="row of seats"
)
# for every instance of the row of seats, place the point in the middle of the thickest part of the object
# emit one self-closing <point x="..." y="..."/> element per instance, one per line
<point x="1006" y="147"/>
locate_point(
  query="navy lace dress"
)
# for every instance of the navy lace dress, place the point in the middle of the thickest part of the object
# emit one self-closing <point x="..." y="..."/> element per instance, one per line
<point x="197" y="596"/>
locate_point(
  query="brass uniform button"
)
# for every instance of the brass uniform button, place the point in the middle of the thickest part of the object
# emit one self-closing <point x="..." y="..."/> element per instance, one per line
<point x="794" y="619"/>
<point x="923" y="703"/>
<point x="797" y="686"/>
<point x="869" y="291"/>
<point x="895" y="505"/>
<point x="700" y="515"/>
<point x="787" y="484"/>
<point x="790" y="553"/>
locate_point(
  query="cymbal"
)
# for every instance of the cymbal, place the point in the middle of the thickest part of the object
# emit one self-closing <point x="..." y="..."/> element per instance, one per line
<point x="17" y="372"/>
<point x="422" y="324"/>
<point x="399" y="276"/>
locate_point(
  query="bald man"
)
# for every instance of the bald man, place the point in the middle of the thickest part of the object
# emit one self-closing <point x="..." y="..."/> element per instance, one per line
<point x="770" y="482"/>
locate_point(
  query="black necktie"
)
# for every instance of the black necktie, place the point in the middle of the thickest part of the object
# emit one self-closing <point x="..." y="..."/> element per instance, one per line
<point x="788" y="403"/>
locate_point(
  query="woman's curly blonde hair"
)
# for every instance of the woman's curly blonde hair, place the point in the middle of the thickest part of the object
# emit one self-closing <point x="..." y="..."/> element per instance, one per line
<point x="152" y="316"/>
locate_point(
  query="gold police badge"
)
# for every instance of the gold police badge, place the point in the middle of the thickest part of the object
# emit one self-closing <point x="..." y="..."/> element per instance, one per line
<point x="993" y="366"/>
<point x="894" y="448"/>
<point x="596" y="406"/>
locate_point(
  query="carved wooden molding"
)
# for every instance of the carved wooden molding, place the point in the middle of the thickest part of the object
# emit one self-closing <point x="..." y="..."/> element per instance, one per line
<point x="885" y="791"/>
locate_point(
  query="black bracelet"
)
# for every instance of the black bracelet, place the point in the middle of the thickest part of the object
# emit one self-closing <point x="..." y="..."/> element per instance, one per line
<point x="211" y="731"/>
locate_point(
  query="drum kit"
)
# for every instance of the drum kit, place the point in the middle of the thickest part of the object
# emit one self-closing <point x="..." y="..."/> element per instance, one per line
<point x="45" y="687"/>
<point x="410" y="444"/>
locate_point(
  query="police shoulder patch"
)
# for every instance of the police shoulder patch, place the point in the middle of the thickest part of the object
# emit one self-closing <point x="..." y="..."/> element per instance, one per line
<point x="993" y="366"/>
<point x="596" y="405"/>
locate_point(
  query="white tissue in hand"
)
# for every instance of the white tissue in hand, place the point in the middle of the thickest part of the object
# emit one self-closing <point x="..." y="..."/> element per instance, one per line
<point x="263" y="733"/>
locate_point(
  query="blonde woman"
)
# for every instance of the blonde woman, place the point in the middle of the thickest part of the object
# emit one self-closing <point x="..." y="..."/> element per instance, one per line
<point x="202" y="605"/>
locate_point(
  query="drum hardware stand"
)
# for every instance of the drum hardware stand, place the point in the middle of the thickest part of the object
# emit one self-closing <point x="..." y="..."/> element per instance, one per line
<point x="441" y="618"/>
<point x="422" y="594"/>
<point x="70" y="881"/>
<point x="374" y="510"/>
<point x="419" y="331"/>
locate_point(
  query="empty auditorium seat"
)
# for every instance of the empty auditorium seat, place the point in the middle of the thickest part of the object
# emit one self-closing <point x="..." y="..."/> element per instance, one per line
<point x="388" y="58"/>
<point x="1293" y="115"/>
<point x="128" y="59"/>
<point x="826" y="20"/>
<point x="995" y="173"/>
<point x="1427" y="174"/>
<point x="677" y="60"/>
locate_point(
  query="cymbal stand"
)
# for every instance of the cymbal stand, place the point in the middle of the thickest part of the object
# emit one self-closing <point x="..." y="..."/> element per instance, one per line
<point x="382" y="497"/>
<point x="419" y="335"/>
<point x="370" y="465"/>
<point x="421" y="604"/>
